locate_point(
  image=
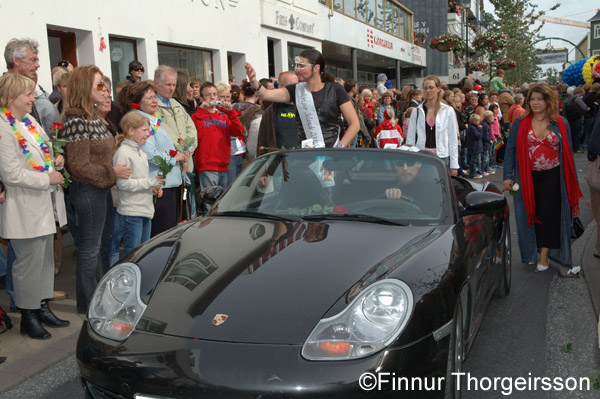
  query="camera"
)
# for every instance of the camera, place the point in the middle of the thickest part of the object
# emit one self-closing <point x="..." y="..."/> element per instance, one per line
<point x="216" y="103"/>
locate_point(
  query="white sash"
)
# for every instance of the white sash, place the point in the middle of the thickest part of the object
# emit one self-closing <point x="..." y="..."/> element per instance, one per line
<point x="308" y="115"/>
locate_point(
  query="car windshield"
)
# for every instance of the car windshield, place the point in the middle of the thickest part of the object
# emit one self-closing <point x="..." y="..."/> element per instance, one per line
<point x="399" y="187"/>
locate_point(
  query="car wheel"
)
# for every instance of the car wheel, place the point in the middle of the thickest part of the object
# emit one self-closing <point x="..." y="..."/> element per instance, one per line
<point x="505" y="278"/>
<point x="456" y="353"/>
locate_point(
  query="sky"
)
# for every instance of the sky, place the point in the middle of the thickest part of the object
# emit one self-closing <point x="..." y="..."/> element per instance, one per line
<point x="569" y="9"/>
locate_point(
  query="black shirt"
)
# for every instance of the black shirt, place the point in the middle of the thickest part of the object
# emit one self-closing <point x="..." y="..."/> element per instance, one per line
<point x="319" y="96"/>
<point x="285" y="126"/>
<point x="429" y="132"/>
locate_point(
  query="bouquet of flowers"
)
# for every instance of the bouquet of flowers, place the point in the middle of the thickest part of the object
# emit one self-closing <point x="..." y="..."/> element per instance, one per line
<point x="58" y="145"/>
<point x="490" y="42"/>
<point x="447" y="42"/>
<point x="164" y="166"/>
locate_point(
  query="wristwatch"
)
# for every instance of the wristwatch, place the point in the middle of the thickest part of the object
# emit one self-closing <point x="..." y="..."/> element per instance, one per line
<point x="257" y="89"/>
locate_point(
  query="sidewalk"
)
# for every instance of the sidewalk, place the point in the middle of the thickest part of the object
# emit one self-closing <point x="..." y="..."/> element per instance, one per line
<point x="27" y="357"/>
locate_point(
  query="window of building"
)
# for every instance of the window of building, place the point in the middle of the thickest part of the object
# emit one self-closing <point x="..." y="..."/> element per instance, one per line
<point x="597" y="31"/>
<point x="294" y="50"/>
<point x="195" y="62"/>
<point x="122" y="52"/>
<point x="386" y="15"/>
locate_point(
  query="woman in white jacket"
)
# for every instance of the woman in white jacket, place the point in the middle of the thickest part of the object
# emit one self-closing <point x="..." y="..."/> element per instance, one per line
<point x="32" y="204"/>
<point x="433" y="125"/>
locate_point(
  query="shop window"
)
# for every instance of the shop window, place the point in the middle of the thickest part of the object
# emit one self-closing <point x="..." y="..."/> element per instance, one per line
<point x="195" y="62"/>
<point x="293" y="51"/>
<point x="122" y="52"/>
<point x="386" y="15"/>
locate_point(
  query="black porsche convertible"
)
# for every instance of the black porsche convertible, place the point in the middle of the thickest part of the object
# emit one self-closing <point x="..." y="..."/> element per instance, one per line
<point x="321" y="273"/>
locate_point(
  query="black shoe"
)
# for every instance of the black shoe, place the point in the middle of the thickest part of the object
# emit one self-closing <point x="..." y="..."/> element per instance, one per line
<point x="49" y="318"/>
<point x="2" y="359"/>
<point x="30" y="324"/>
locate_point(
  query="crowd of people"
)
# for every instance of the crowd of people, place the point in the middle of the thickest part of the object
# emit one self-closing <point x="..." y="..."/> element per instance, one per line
<point x="138" y="162"/>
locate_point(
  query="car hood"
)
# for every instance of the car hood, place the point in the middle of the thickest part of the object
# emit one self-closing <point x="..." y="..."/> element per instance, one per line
<point x="254" y="281"/>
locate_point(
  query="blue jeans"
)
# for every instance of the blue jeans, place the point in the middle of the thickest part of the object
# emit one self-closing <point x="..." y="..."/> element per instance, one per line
<point x="94" y="210"/>
<point x="475" y="164"/>
<point x="71" y="217"/>
<point x="485" y="159"/>
<point x="208" y="178"/>
<point x="492" y="157"/>
<point x="116" y="235"/>
<point x="588" y="125"/>
<point x="576" y="130"/>
<point x="135" y="231"/>
<point x="234" y="168"/>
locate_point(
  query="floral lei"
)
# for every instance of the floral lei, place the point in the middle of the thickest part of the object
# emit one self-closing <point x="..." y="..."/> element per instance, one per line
<point x="23" y="143"/>
<point x="155" y="126"/>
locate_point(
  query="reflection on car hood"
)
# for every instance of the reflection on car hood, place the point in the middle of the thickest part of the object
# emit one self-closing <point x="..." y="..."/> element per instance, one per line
<point x="254" y="281"/>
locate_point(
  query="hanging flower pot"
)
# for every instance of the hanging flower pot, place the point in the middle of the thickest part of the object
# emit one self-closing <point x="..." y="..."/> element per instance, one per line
<point x="478" y="67"/>
<point x="507" y="63"/>
<point x="448" y="42"/>
<point x="490" y="42"/>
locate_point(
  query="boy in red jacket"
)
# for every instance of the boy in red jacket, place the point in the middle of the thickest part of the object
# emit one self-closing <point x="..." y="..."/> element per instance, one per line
<point x="215" y="125"/>
<point x="388" y="134"/>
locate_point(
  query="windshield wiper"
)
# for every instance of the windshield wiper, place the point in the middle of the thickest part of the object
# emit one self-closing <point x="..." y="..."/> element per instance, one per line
<point x="354" y="217"/>
<point x="258" y="215"/>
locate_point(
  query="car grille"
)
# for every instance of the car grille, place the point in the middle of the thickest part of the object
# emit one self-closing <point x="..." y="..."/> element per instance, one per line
<point x="100" y="393"/>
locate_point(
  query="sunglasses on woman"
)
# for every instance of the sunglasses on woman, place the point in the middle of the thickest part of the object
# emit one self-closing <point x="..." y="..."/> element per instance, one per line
<point x="138" y="69"/>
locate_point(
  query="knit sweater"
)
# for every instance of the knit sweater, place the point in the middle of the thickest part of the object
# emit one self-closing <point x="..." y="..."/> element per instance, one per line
<point x="135" y="193"/>
<point x="89" y="149"/>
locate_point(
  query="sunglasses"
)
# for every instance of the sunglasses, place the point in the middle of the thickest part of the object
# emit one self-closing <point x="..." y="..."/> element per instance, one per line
<point x="100" y="86"/>
<point x="298" y="66"/>
<point x="408" y="163"/>
<point x="63" y="63"/>
<point x="138" y="69"/>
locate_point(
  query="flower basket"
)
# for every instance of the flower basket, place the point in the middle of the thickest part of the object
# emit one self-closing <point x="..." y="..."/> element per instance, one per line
<point x="507" y="63"/>
<point x="420" y="39"/>
<point x="478" y="67"/>
<point x="447" y="42"/>
<point x="490" y="42"/>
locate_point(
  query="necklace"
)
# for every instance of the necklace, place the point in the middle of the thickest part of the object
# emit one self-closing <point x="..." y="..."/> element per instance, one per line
<point x="156" y="125"/>
<point x="23" y="143"/>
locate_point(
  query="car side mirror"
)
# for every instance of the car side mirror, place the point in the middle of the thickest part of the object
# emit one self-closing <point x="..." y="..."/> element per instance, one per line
<point x="483" y="202"/>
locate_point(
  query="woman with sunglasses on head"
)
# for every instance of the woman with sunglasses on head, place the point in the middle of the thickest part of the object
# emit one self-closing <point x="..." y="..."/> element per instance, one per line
<point x="320" y="102"/>
<point x="433" y="125"/>
<point x="136" y="71"/>
<point x="89" y="153"/>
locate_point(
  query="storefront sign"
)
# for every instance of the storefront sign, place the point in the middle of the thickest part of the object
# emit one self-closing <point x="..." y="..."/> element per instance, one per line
<point x="220" y="4"/>
<point x="374" y="41"/>
<point x="557" y="57"/>
<point x="291" y="21"/>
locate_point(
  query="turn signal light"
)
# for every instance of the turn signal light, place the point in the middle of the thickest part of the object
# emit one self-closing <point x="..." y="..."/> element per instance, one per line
<point x="335" y="349"/>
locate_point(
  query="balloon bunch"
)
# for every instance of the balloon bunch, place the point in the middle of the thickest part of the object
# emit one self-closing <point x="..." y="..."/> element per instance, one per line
<point x="573" y="75"/>
<point x="591" y="70"/>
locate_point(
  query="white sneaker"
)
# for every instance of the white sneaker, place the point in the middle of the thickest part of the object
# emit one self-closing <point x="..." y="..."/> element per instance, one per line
<point x="541" y="268"/>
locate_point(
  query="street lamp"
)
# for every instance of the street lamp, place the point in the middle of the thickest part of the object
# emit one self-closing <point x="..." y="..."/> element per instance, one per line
<point x="466" y="6"/>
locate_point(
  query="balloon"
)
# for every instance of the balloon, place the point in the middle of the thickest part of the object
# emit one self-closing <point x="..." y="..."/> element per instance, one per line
<point x="591" y="69"/>
<point x="573" y="74"/>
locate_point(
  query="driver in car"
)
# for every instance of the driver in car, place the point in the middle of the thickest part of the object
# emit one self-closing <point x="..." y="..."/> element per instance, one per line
<point x="412" y="187"/>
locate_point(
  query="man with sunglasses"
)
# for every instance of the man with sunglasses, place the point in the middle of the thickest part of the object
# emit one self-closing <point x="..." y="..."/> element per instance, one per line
<point x="136" y="71"/>
<point x="412" y="186"/>
<point x="21" y="56"/>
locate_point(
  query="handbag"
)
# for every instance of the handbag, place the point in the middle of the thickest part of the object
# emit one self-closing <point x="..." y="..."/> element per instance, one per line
<point x="577" y="228"/>
<point x="592" y="174"/>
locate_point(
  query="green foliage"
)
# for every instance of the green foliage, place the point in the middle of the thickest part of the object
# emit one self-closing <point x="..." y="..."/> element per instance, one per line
<point x="596" y="380"/>
<point x="518" y="19"/>
<point x="567" y="348"/>
<point x="550" y="76"/>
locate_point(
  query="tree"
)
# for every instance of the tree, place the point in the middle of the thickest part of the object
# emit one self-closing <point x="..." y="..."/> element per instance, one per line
<point x="551" y="76"/>
<point x="516" y="19"/>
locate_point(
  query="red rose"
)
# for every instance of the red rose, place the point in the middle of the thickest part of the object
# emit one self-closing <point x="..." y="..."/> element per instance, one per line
<point x="135" y="105"/>
<point x="173" y="153"/>
<point x="57" y="126"/>
<point x="180" y="140"/>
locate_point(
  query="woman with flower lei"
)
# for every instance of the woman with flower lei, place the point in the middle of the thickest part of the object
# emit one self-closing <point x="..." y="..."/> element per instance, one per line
<point x="141" y="96"/>
<point x="32" y="204"/>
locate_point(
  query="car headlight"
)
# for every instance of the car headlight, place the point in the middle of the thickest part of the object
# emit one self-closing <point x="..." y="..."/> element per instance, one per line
<point x="372" y="321"/>
<point x="116" y="306"/>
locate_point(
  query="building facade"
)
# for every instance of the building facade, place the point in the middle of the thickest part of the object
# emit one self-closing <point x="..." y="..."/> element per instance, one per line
<point x="226" y="34"/>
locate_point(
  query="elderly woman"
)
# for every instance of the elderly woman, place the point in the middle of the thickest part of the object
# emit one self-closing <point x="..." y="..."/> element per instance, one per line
<point x="89" y="152"/>
<point x="539" y="159"/>
<point x="27" y="217"/>
<point x="142" y="97"/>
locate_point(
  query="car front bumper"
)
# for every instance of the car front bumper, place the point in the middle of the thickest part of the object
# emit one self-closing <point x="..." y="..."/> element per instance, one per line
<point x="161" y="366"/>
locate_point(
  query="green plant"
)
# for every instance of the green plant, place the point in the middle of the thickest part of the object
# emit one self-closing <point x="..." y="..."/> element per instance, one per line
<point x="452" y="42"/>
<point x="567" y="348"/>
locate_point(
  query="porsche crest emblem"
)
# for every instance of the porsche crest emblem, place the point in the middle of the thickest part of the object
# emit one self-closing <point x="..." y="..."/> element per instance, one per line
<point x="219" y="319"/>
